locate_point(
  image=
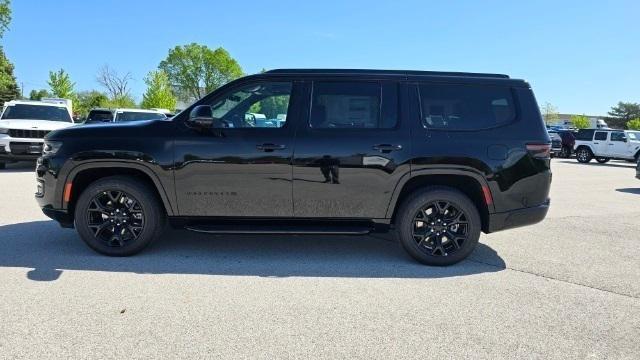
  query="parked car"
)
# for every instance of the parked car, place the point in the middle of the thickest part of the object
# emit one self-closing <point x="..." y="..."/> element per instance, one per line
<point x="438" y="156"/>
<point x="100" y="115"/>
<point x="556" y="143"/>
<point x="606" y="144"/>
<point x="24" y="124"/>
<point x="638" y="169"/>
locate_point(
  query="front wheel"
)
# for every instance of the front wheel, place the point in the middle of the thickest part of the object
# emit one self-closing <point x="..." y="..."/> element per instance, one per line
<point x="118" y="216"/>
<point x="439" y="226"/>
<point x="602" y="160"/>
<point x="584" y="155"/>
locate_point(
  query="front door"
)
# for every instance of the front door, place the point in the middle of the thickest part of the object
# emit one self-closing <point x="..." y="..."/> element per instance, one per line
<point x="618" y="145"/>
<point x="351" y="151"/>
<point x="242" y="167"/>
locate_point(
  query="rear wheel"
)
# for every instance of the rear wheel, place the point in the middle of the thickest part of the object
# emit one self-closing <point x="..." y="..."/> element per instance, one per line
<point x="118" y="216"/>
<point x="602" y="160"/>
<point x="438" y="226"/>
<point x="584" y="155"/>
<point x="565" y="152"/>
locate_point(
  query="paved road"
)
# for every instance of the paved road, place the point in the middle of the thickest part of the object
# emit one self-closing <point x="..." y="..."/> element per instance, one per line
<point x="566" y="288"/>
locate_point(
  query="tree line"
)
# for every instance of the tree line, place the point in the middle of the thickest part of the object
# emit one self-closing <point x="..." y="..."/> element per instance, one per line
<point x="624" y="115"/>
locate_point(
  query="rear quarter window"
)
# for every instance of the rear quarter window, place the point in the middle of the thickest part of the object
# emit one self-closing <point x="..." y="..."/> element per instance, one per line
<point x="465" y="107"/>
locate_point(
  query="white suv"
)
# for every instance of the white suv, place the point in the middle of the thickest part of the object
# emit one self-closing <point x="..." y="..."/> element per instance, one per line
<point x="23" y="125"/>
<point x="606" y="144"/>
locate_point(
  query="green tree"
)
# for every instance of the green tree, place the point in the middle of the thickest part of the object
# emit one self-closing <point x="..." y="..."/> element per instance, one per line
<point x="5" y="16"/>
<point x="550" y="113"/>
<point x="121" y="101"/>
<point x="60" y="84"/>
<point x="9" y="89"/>
<point x="87" y="100"/>
<point x="195" y="70"/>
<point x="159" y="93"/>
<point x="38" y="94"/>
<point x="633" y="124"/>
<point x="580" y="121"/>
<point x="622" y="113"/>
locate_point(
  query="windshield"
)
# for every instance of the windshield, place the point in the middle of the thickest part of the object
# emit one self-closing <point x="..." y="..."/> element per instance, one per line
<point x="36" y="112"/>
<point x="138" y="116"/>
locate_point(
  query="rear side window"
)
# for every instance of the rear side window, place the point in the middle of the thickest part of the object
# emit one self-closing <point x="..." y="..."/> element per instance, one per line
<point x="600" y="135"/>
<point x="353" y="105"/>
<point x="585" y="134"/>
<point x="465" y="107"/>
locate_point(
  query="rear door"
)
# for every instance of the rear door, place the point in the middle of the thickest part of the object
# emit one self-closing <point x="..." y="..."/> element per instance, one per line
<point x="601" y="143"/>
<point x="352" y="149"/>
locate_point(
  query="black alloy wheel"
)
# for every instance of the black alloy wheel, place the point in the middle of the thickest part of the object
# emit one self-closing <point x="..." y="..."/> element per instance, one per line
<point x="438" y="225"/>
<point x="119" y="215"/>
<point x="115" y="217"/>
<point x="440" y="228"/>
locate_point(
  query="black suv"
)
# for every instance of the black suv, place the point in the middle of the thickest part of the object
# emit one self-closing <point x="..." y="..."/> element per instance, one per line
<point x="438" y="156"/>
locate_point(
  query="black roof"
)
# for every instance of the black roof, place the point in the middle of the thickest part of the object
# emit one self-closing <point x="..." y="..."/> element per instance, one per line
<point x="385" y="72"/>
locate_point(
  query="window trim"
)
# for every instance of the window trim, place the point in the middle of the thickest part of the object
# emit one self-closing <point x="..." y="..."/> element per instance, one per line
<point x="379" y="83"/>
<point x="231" y="89"/>
<point x="514" y="97"/>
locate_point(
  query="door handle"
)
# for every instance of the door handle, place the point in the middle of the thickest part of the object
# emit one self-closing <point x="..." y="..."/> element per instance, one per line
<point x="270" y="147"/>
<point x="595" y="143"/>
<point x="386" y="148"/>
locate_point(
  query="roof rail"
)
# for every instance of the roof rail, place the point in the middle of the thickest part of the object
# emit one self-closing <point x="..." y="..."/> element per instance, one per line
<point x="386" y="72"/>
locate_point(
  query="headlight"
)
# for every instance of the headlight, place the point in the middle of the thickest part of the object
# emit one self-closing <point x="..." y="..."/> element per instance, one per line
<point x="4" y="131"/>
<point x="51" y="147"/>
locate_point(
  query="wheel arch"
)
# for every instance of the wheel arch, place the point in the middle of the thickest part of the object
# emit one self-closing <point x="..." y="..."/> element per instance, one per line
<point x="83" y="175"/>
<point x="471" y="184"/>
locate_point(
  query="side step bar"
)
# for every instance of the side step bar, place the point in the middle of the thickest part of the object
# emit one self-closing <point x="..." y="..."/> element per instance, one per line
<point x="267" y="229"/>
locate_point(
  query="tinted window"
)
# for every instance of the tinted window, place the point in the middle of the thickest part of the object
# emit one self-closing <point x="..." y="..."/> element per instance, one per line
<point x="352" y="105"/>
<point x="36" y="112"/>
<point x="138" y="116"/>
<point x="585" y="134"/>
<point x="618" y="136"/>
<point x="260" y="105"/>
<point x="600" y="135"/>
<point x="465" y="107"/>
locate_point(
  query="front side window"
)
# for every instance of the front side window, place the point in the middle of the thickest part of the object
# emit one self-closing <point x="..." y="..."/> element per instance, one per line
<point x="465" y="107"/>
<point x="259" y="105"/>
<point x="36" y="112"/>
<point x="352" y="105"/>
<point x="618" y="136"/>
<point x="600" y="135"/>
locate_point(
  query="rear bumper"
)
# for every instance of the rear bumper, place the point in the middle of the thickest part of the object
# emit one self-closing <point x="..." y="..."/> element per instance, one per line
<point x="517" y="218"/>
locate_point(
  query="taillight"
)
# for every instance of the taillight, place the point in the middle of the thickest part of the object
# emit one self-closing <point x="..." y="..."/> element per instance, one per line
<point x="539" y="151"/>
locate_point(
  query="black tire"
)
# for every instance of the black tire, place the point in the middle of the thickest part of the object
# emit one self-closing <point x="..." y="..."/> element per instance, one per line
<point x="89" y="215"/>
<point x="602" y="160"/>
<point x="565" y="152"/>
<point x="418" y="247"/>
<point x="2" y="165"/>
<point x="584" y="155"/>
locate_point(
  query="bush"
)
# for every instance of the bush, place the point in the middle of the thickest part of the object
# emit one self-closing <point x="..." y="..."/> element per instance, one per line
<point x="633" y="124"/>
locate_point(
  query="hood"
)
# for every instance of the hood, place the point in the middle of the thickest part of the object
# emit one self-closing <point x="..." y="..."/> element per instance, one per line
<point x="34" y="124"/>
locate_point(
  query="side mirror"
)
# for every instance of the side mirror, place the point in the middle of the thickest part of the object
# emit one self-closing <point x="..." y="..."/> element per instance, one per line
<point x="201" y="117"/>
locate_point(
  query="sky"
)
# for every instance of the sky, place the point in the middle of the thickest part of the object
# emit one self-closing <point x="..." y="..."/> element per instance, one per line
<point x="581" y="56"/>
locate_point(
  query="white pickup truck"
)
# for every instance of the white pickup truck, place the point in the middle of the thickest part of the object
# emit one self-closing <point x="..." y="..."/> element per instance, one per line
<point x="24" y="124"/>
<point x="607" y="144"/>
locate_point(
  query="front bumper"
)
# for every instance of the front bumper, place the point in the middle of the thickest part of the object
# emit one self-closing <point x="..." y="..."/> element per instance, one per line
<point x="18" y="149"/>
<point x="61" y="216"/>
<point x="517" y="218"/>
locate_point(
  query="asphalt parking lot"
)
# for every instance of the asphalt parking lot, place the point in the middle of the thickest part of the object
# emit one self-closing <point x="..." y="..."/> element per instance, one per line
<point x="568" y="287"/>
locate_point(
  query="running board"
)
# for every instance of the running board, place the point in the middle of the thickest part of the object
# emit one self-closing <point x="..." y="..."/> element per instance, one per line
<point x="270" y="230"/>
